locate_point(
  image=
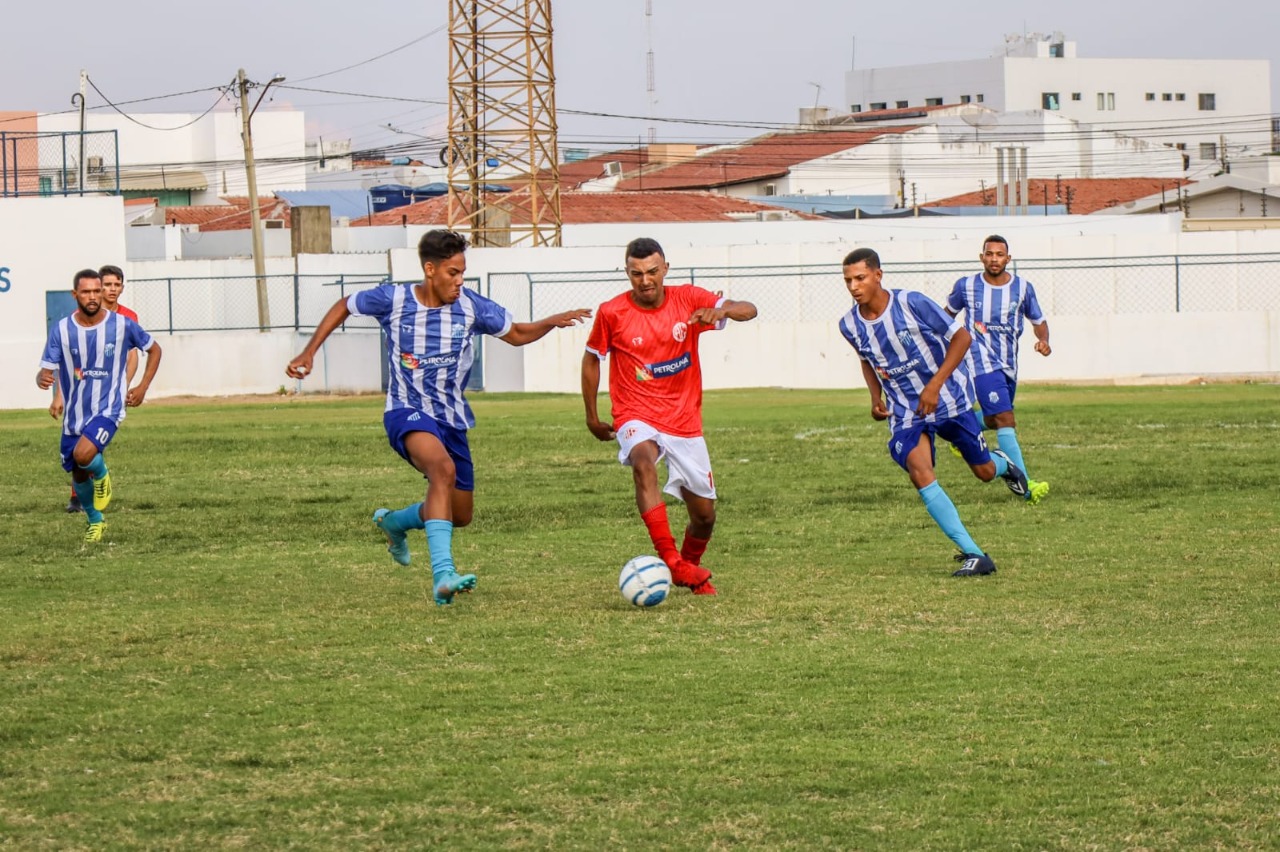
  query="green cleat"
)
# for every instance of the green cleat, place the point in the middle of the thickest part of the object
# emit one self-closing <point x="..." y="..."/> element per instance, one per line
<point x="1036" y="491"/>
<point x="102" y="492"/>
<point x="451" y="584"/>
<point x="955" y="451"/>
<point x="397" y="541"/>
<point x="95" y="532"/>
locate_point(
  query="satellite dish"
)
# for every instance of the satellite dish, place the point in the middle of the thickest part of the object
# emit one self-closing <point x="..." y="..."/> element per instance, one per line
<point x="979" y="120"/>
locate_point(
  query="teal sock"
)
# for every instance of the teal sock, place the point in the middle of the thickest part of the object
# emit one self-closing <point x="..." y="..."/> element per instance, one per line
<point x="440" y="544"/>
<point x="945" y="516"/>
<point x="1007" y="438"/>
<point x="84" y="490"/>
<point x="408" y="518"/>
<point x="97" y="468"/>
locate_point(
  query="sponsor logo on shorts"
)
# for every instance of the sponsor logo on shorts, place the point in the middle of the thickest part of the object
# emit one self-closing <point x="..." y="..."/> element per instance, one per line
<point x="664" y="369"/>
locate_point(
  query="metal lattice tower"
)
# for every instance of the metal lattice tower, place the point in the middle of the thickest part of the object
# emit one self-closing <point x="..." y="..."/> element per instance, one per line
<point x="502" y="115"/>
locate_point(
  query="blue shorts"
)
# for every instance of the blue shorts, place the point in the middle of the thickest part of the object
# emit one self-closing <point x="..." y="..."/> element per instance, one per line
<point x="99" y="431"/>
<point x="995" y="392"/>
<point x="964" y="431"/>
<point x="400" y="422"/>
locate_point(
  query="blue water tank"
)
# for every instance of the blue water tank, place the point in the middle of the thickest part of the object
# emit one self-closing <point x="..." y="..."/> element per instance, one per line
<point x="389" y="196"/>
<point x="430" y="190"/>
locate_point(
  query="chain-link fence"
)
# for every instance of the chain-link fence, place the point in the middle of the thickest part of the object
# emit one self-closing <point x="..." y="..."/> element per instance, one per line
<point x="1078" y="286"/>
<point x="58" y="163"/>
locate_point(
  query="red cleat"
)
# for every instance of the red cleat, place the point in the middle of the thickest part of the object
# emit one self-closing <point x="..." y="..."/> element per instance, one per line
<point x="704" y="588"/>
<point x="685" y="573"/>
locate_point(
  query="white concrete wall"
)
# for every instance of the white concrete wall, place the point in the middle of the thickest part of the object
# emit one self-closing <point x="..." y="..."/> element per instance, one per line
<point x="43" y="243"/>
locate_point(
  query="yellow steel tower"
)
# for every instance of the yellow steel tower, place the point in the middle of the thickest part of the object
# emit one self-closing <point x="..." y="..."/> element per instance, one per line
<point x="502" y="118"/>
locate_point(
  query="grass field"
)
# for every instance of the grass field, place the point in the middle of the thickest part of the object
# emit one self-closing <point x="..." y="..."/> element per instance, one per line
<point x="242" y="665"/>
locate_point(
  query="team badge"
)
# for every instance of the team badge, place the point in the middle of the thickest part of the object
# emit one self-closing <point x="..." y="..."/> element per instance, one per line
<point x="680" y="331"/>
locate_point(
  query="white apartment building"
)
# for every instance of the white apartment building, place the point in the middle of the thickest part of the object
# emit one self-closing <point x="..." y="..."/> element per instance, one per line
<point x="1210" y="109"/>
<point x="183" y="159"/>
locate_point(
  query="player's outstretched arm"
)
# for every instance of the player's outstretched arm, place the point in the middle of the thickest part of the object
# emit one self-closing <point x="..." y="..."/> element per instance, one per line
<point x="728" y="309"/>
<point x="527" y="332"/>
<point x="336" y="316"/>
<point x="1042" y="338"/>
<point x="590" y="394"/>
<point x="137" y="394"/>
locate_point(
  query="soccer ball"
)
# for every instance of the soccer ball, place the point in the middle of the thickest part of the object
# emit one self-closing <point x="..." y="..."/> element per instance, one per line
<point x="645" y="581"/>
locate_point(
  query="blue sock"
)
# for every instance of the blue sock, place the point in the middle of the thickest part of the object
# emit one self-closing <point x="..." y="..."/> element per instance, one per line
<point x="945" y="515"/>
<point x="97" y="468"/>
<point x="408" y="518"/>
<point x="1001" y="465"/>
<point x="440" y="544"/>
<point x="84" y="491"/>
<point x="1007" y="438"/>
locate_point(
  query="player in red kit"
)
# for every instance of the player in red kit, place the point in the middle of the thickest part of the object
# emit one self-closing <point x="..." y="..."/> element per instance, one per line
<point x="650" y="334"/>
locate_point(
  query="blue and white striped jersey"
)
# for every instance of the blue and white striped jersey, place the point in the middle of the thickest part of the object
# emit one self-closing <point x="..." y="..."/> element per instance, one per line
<point x="91" y="367"/>
<point x="906" y="345"/>
<point x="430" y="351"/>
<point x="994" y="316"/>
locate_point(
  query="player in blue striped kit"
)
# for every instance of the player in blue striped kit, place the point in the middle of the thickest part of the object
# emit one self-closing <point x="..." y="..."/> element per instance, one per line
<point x="429" y="329"/>
<point x="996" y="303"/>
<point x="916" y="366"/>
<point x="88" y="353"/>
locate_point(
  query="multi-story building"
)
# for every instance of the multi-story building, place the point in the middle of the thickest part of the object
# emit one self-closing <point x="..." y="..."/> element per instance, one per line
<point x="1210" y="109"/>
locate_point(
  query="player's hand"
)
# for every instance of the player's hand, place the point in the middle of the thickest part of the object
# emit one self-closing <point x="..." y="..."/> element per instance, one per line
<point x="299" y="367"/>
<point x="569" y="318"/>
<point x="135" y="396"/>
<point x="44" y="379"/>
<point x="56" y="408"/>
<point x="602" y="431"/>
<point x="878" y="411"/>
<point x="928" y="400"/>
<point x="1042" y="346"/>
<point x="707" y="316"/>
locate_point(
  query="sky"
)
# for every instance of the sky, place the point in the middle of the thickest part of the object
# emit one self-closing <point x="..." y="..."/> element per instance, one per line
<point x="739" y="67"/>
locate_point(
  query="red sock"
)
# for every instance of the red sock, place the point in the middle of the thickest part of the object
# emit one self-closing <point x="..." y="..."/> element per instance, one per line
<point x="660" y="534"/>
<point x="693" y="547"/>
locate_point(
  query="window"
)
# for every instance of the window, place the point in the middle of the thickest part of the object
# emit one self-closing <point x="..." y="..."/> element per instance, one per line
<point x="979" y="99"/>
<point x="964" y="99"/>
<point x="770" y="189"/>
<point x="933" y="101"/>
<point x="1167" y="96"/>
<point x="855" y="108"/>
<point x="901" y="104"/>
<point x="1055" y="51"/>
<point x="1075" y="96"/>
<point x="1106" y="100"/>
<point x="1151" y="96"/>
<point x="1049" y="100"/>
<point x="1181" y="96"/>
<point x="1208" y="151"/>
<point x="1207" y="101"/>
<point x="877" y="105"/>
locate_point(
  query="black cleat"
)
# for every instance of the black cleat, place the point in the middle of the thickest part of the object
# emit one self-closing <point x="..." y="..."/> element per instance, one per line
<point x="1014" y="477"/>
<point x="974" y="565"/>
<point x="73" y="505"/>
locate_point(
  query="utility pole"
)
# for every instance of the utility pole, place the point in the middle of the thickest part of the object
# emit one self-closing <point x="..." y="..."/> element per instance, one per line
<point x="1222" y="154"/>
<point x="84" y="78"/>
<point x="251" y="175"/>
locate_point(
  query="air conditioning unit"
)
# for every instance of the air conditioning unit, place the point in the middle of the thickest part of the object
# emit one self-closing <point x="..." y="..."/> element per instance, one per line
<point x="94" y="165"/>
<point x="613" y="168"/>
<point x="272" y="224"/>
<point x="772" y="215"/>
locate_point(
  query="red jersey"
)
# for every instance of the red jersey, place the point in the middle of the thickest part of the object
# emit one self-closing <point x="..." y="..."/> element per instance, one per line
<point x="127" y="313"/>
<point x="654" y="371"/>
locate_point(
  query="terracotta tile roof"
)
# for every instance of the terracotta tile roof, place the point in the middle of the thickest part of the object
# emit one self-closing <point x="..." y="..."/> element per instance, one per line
<point x="573" y="175"/>
<point x="1088" y="195"/>
<point x="760" y="159"/>
<point x="581" y="208"/>
<point x="232" y="216"/>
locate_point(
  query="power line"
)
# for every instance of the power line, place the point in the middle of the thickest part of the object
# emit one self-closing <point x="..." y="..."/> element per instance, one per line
<point x="408" y="44"/>
<point x="221" y="94"/>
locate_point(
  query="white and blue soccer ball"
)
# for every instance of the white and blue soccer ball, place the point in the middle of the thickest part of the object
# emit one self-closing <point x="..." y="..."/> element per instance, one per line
<point x="645" y="581"/>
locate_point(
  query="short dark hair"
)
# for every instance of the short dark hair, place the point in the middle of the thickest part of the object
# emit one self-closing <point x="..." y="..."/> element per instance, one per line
<point x="862" y="255"/>
<point x="84" y="273"/>
<point x="643" y="247"/>
<point x="996" y="238"/>
<point x="111" y="270"/>
<point x="439" y="245"/>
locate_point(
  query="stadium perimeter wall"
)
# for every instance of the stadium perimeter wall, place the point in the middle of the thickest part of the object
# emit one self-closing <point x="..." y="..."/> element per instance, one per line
<point x="1097" y="336"/>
